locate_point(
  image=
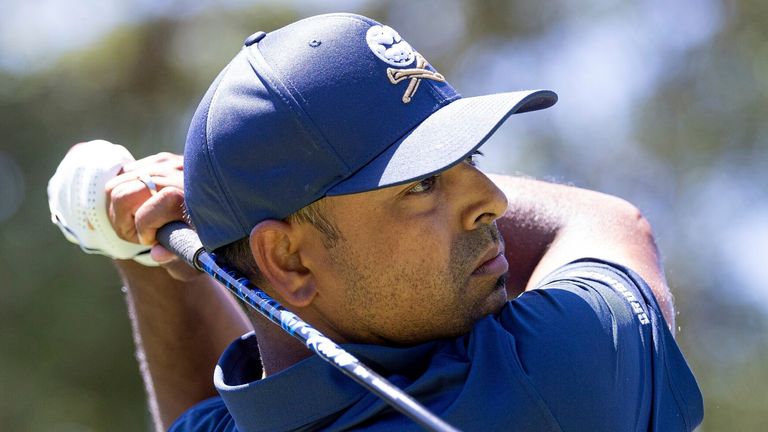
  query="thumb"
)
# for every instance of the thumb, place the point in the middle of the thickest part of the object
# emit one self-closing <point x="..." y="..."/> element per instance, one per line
<point x="175" y="266"/>
<point x="161" y="255"/>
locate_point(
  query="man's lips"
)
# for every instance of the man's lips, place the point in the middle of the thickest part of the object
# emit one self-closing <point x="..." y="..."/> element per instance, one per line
<point x="494" y="263"/>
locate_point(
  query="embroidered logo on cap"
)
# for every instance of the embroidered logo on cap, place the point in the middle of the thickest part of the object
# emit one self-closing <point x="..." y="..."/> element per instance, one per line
<point x="387" y="44"/>
<point x="415" y="74"/>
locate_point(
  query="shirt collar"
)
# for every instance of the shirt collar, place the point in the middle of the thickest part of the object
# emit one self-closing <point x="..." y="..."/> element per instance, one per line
<point x="305" y="392"/>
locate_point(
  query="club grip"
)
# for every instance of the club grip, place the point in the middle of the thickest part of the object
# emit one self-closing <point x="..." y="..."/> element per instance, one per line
<point x="181" y="239"/>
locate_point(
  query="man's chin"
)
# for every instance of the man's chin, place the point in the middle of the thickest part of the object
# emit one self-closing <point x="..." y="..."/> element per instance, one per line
<point x="491" y="305"/>
<point x="497" y="298"/>
<point x="472" y="312"/>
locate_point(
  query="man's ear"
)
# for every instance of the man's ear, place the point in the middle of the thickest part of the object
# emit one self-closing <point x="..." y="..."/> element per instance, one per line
<point x="275" y="247"/>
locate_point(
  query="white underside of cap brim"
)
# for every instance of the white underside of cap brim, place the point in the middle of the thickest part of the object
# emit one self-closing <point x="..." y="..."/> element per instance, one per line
<point x="443" y="139"/>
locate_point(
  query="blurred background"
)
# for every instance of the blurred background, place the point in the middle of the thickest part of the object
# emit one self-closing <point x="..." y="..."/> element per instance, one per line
<point x="661" y="102"/>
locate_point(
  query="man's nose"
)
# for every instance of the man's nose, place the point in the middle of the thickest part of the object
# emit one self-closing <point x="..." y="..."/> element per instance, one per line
<point x="485" y="202"/>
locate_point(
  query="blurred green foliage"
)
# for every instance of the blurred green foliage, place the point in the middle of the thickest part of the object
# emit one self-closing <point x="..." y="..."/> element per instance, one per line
<point x="67" y="357"/>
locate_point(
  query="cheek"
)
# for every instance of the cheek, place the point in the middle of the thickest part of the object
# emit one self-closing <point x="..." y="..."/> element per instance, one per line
<point x="409" y="271"/>
<point x="400" y="240"/>
<point x="410" y="249"/>
<point x="394" y="262"/>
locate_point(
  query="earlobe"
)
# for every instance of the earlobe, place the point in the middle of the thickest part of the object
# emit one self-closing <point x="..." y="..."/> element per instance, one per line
<point x="275" y="247"/>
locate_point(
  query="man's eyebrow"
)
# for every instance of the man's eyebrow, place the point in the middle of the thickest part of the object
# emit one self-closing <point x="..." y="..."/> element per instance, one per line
<point x="407" y="185"/>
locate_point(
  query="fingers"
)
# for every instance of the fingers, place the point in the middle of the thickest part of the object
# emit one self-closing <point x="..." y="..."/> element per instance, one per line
<point x="125" y="198"/>
<point x="165" y="206"/>
<point x="169" y="173"/>
<point x="126" y="194"/>
<point x="161" y="255"/>
<point x="164" y="168"/>
<point x="122" y="202"/>
<point x="170" y="160"/>
<point x="136" y="213"/>
<point x="177" y="268"/>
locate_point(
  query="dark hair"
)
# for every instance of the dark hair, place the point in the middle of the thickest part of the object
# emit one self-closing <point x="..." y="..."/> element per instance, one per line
<point x="237" y="255"/>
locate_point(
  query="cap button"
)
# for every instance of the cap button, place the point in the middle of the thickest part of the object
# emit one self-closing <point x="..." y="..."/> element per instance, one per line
<point x="252" y="39"/>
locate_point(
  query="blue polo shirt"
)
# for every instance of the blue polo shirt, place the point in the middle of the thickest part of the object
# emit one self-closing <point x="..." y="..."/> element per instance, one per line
<point x="588" y="350"/>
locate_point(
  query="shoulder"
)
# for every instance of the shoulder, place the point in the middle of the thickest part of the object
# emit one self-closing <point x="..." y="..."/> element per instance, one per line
<point x="209" y="415"/>
<point x="584" y="340"/>
<point x="587" y="292"/>
<point x="587" y="308"/>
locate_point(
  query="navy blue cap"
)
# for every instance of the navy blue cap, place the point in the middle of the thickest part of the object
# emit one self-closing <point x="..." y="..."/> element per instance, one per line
<point x="329" y="105"/>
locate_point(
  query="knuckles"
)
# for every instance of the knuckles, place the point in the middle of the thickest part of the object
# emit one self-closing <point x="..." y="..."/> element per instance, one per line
<point x="171" y="160"/>
<point x="122" y="205"/>
<point x="167" y="156"/>
<point x="166" y="206"/>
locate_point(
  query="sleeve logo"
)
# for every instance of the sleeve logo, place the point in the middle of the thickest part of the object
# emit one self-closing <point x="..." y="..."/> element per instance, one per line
<point x="634" y="303"/>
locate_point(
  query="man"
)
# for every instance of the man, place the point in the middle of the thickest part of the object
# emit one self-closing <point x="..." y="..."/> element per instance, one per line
<point x="335" y="167"/>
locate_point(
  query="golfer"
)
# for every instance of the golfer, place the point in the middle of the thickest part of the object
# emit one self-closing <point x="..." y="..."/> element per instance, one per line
<point x="336" y="168"/>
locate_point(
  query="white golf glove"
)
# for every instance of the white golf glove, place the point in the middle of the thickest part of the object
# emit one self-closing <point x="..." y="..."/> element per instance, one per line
<point x="78" y="201"/>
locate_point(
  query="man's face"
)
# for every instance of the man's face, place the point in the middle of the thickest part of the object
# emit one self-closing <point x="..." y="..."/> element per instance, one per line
<point x="415" y="262"/>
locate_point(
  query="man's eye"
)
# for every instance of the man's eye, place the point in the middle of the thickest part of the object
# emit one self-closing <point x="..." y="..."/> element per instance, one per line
<point x="424" y="186"/>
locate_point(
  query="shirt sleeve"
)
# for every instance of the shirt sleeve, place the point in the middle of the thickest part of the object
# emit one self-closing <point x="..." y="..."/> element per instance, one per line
<point x="583" y="339"/>
<point x="210" y="415"/>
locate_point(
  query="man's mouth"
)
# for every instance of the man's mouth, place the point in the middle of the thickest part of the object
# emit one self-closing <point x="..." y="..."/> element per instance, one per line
<point x="494" y="263"/>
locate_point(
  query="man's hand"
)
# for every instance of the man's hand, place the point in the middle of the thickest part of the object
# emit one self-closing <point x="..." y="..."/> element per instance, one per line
<point x="77" y="201"/>
<point x="136" y="212"/>
<point x="182" y="320"/>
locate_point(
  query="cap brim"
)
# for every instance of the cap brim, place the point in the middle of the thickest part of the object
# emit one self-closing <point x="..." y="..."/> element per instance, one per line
<point x="445" y="138"/>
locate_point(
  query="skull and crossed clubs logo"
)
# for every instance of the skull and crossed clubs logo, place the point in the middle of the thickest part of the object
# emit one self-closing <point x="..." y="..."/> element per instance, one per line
<point x="388" y="46"/>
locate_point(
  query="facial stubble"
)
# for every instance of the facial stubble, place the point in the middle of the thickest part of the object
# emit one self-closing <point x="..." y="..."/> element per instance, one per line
<point x="463" y="301"/>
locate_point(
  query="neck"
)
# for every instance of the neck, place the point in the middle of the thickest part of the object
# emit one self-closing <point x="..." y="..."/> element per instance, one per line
<point x="278" y="350"/>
